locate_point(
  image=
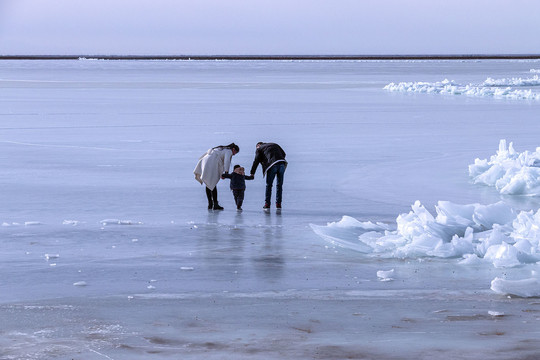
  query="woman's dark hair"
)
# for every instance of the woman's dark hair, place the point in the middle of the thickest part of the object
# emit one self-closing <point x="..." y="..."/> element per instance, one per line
<point x="231" y="146"/>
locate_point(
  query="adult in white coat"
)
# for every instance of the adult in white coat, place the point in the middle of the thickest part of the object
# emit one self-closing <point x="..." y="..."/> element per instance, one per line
<point x="211" y="166"/>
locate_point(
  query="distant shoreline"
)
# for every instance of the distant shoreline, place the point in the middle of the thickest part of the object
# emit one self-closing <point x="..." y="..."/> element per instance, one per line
<point x="271" y="57"/>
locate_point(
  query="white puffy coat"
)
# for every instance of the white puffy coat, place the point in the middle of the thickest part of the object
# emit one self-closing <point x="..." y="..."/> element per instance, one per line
<point x="212" y="165"/>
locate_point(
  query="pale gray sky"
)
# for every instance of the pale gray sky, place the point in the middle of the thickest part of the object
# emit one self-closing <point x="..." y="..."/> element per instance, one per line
<point x="268" y="27"/>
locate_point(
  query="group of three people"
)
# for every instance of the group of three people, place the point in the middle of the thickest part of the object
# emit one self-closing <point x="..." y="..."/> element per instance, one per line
<point x="215" y="164"/>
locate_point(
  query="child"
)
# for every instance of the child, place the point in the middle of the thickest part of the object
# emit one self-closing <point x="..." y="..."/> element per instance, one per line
<point x="238" y="184"/>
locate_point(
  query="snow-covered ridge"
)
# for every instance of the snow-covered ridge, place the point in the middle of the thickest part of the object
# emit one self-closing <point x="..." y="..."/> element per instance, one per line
<point x="494" y="233"/>
<point x="489" y="88"/>
<point x="510" y="172"/>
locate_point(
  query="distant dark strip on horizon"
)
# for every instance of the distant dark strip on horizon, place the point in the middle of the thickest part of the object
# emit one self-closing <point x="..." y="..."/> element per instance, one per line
<point x="270" y="57"/>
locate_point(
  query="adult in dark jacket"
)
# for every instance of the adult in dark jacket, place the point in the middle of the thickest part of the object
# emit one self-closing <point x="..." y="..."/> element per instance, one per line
<point x="272" y="159"/>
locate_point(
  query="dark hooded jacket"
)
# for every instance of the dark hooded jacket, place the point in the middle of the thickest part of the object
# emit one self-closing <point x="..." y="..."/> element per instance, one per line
<point x="238" y="182"/>
<point x="267" y="155"/>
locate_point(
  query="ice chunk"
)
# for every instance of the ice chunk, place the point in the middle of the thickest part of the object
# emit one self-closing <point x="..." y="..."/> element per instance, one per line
<point x="385" y="275"/>
<point x="532" y="81"/>
<point x="51" y="256"/>
<point x="524" y="288"/>
<point x="470" y="259"/>
<point x="510" y="172"/>
<point x="476" y="233"/>
<point x="118" y="222"/>
<point x="80" y="283"/>
<point x="71" y="222"/>
<point x="503" y="255"/>
<point x="489" y="88"/>
<point x="346" y="233"/>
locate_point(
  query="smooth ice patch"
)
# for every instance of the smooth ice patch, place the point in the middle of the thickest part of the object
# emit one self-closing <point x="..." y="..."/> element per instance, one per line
<point x="510" y="172"/>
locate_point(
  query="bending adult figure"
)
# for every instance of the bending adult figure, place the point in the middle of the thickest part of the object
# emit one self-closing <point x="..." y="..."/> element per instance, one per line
<point x="211" y="166"/>
<point x="272" y="159"/>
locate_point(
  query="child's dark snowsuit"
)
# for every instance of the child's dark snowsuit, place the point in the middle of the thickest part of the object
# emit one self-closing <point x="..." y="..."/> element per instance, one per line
<point x="238" y="187"/>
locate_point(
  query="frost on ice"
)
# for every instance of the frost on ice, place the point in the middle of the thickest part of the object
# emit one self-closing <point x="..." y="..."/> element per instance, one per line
<point x="510" y="172"/>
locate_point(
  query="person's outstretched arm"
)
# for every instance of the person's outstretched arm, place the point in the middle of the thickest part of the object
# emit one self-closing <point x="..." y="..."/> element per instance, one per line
<point x="256" y="163"/>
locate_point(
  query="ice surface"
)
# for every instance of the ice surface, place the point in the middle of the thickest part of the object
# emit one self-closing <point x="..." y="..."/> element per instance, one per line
<point x="100" y="155"/>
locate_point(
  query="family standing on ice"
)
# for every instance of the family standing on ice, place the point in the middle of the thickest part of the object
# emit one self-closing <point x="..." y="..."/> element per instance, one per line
<point x="216" y="162"/>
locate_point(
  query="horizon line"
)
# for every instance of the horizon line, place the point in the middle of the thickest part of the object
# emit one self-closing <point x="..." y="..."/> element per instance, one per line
<point x="275" y="57"/>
